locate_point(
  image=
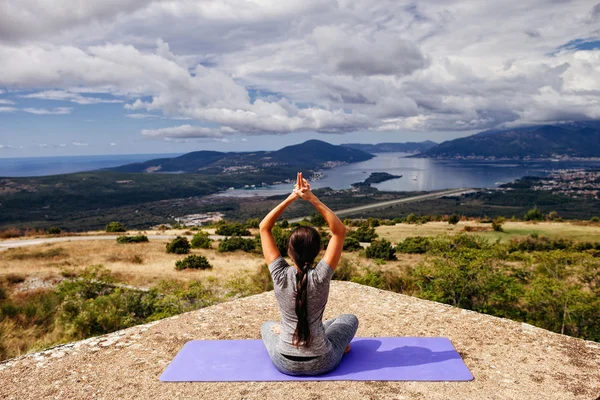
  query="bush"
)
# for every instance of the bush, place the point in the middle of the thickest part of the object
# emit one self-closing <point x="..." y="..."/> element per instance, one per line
<point x="364" y="233"/>
<point x="414" y="245"/>
<point x="237" y="243"/>
<point x="553" y="216"/>
<point x="381" y="249"/>
<point x="115" y="227"/>
<point x="284" y="224"/>
<point x="316" y="219"/>
<point x="233" y="229"/>
<point x="497" y="224"/>
<point x="10" y="233"/>
<point x="54" y="231"/>
<point x="352" y="244"/>
<point x="534" y="214"/>
<point x="193" y="262"/>
<point x="132" y="239"/>
<point x="453" y="219"/>
<point x="179" y="245"/>
<point x="373" y="222"/>
<point x="595" y="220"/>
<point x="325" y="238"/>
<point x="201" y="240"/>
<point x="252" y="223"/>
<point x="411" y="219"/>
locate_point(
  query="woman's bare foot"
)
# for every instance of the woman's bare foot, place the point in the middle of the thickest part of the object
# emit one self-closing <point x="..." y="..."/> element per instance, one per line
<point x="275" y="329"/>
<point x="347" y="349"/>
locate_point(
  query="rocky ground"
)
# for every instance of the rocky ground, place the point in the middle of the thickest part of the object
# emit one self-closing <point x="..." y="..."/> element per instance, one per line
<point x="509" y="360"/>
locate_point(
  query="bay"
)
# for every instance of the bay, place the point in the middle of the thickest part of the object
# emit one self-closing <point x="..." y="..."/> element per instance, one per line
<point x="425" y="174"/>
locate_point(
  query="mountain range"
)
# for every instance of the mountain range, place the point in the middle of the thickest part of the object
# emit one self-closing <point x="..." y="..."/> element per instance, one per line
<point x="576" y="139"/>
<point x="408" y="147"/>
<point x="310" y="155"/>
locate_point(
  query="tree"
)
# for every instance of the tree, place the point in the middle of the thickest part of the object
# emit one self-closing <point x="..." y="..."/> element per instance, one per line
<point x="364" y="233"/>
<point x="453" y="219"/>
<point x="54" y="231"/>
<point x="351" y="244"/>
<point x="193" y="262"/>
<point x="115" y="227"/>
<point x="252" y="223"/>
<point x="201" y="240"/>
<point x="381" y="249"/>
<point x="534" y="214"/>
<point x="317" y="220"/>
<point x="179" y="245"/>
<point x="284" y="224"/>
<point x="233" y="229"/>
<point x="237" y="243"/>
<point x="553" y="216"/>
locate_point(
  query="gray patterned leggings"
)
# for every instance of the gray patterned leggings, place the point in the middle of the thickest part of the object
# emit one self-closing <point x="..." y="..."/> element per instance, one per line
<point x="339" y="331"/>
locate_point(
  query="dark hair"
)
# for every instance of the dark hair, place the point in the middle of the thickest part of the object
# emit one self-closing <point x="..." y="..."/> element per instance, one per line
<point x="304" y="245"/>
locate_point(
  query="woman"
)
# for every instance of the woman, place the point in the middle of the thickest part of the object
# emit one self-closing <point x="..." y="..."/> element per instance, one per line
<point x="302" y="344"/>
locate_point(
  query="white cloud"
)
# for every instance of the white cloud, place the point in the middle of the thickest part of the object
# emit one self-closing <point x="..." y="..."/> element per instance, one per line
<point x="8" y="109"/>
<point x="112" y="144"/>
<point x="45" y="111"/>
<point x="186" y="132"/>
<point x="267" y="67"/>
<point x="6" y="147"/>
<point x="63" y="95"/>
<point x="4" y="101"/>
<point x="79" y="144"/>
<point x="141" y="116"/>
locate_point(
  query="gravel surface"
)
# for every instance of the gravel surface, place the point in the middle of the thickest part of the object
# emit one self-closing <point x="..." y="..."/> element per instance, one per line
<point x="509" y="360"/>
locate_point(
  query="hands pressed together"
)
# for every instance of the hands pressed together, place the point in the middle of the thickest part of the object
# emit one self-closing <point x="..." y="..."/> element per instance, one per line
<point x="302" y="188"/>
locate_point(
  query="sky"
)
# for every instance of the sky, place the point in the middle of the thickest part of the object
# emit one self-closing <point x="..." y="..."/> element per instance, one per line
<point x="81" y="77"/>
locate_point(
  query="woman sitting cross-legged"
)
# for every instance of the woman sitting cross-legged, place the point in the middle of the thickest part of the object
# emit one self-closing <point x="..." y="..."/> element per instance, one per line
<point x="302" y="344"/>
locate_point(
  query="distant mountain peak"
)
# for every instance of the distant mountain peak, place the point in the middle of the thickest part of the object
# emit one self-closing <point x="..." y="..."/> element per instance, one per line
<point x="577" y="139"/>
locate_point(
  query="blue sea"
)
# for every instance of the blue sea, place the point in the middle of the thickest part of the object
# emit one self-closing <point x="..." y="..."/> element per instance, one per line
<point x="42" y="166"/>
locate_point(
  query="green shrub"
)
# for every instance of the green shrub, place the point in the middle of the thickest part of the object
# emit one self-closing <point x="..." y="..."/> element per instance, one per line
<point x="351" y="244"/>
<point x="201" y="240"/>
<point x="193" y="262"/>
<point x="325" y="238"/>
<point x="345" y="270"/>
<point x="284" y="224"/>
<point x="381" y="249"/>
<point x="179" y="245"/>
<point x="553" y="216"/>
<point x="370" y="278"/>
<point x="414" y="245"/>
<point x="534" y="214"/>
<point x="233" y="229"/>
<point x="411" y="219"/>
<point x="316" y="219"/>
<point x="364" y="233"/>
<point x="115" y="227"/>
<point x="54" y="231"/>
<point x="237" y="243"/>
<point x="595" y="219"/>
<point x="252" y="223"/>
<point x="453" y="219"/>
<point x="497" y="226"/>
<point x="373" y="222"/>
<point x="132" y="239"/>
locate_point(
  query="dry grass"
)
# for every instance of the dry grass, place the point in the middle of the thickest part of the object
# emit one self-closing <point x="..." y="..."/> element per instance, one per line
<point x="566" y="230"/>
<point x="141" y="264"/>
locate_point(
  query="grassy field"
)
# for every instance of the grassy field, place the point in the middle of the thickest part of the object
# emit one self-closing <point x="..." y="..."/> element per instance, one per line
<point x="512" y="230"/>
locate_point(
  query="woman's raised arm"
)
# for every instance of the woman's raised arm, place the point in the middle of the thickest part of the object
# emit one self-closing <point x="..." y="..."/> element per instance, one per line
<point x="337" y="228"/>
<point x="269" y="247"/>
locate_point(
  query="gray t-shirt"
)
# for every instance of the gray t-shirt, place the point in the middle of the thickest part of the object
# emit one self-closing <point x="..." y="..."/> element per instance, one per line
<point x="284" y="282"/>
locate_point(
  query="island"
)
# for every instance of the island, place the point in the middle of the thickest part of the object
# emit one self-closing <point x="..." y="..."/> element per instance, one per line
<point x="376" y="177"/>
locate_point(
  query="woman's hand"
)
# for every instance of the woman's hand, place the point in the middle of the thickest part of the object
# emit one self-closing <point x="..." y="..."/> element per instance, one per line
<point x="302" y="188"/>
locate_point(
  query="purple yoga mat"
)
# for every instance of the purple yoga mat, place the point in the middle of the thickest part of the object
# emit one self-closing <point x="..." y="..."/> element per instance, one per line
<point x="371" y="359"/>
